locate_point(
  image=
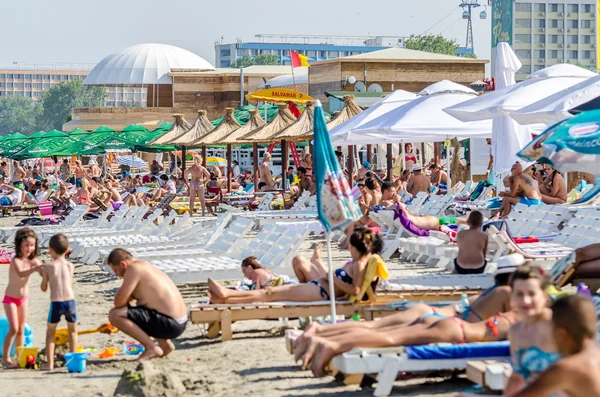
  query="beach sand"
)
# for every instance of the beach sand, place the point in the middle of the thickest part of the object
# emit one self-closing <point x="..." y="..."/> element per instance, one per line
<point x="255" y="362"/>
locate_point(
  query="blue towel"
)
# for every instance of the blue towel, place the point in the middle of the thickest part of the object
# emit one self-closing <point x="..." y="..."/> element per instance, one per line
<point x="466" y="350"/>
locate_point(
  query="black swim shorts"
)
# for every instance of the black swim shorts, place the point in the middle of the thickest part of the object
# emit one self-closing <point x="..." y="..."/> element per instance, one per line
<point x="155" y="324"/>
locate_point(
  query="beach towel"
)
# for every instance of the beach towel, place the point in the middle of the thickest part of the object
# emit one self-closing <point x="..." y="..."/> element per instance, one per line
<point x="407" y="224"/>
<point x="375" y="269"/>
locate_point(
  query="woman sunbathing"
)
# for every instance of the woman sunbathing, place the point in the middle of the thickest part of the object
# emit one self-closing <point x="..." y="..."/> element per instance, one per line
<point x="260" y="277"/>
<point x="347" y="281"/>
<point x="531" y="340"/>
<point x="493" y="300"/>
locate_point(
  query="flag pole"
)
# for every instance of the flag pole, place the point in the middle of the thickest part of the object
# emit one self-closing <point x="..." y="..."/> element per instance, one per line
<point x="294" y="77"/>
<point x="331" y="286"/>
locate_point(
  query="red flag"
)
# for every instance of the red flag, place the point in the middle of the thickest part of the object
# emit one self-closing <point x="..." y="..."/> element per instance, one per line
<point x="298" y="60"/>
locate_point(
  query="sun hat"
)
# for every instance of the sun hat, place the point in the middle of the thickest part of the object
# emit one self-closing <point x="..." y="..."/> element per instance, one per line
<point x="417" y="167"/>
<point x="509" y="263"/>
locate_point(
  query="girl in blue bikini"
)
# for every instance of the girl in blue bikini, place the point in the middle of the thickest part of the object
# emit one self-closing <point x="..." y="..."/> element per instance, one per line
<point x="347" y="281"/>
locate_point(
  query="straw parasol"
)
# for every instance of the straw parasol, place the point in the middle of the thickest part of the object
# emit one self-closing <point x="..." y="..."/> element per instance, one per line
<point x="349" y="110"/>
<point x="201" y="127"/>
<point x="254" y="123"/>
<point x="225" y="127"/>
<point x="265" y="133"/>
<point x="180" y="126"/>
<point x="302" y="128"/>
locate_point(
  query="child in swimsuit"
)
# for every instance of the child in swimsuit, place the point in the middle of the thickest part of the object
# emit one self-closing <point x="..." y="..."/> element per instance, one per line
<point x="472" y="247"/>
<point x="21" y="267"/>
<point x="59" y="276"/>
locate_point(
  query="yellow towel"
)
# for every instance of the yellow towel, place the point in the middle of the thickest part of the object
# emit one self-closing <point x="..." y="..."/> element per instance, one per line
<point x="375" y="269"/>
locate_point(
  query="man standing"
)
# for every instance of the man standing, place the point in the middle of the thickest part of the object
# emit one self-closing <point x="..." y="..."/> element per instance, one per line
<point x="235" y="170"/>
<point x="418" y="182"/>
<point x="524" y="189"/>
<point x="18" y="175"/>
<point x="266" y="177"/>
<point x="199" y="177"/>
<point x="159" y="310"/>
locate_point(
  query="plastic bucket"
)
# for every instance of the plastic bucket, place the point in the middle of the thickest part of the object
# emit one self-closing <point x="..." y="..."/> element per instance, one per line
<point x="76" y="362"/>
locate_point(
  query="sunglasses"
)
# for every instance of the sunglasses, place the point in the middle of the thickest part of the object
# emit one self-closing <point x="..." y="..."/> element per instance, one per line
<point x="361" y="185"/>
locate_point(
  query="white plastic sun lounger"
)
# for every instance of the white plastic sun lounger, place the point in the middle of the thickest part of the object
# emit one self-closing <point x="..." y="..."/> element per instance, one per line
<point x="7" y="234"/>
<point x="387" y="363"/>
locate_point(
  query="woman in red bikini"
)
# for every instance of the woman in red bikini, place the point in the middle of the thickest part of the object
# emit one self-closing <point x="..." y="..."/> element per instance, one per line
<point x="410" y="158"/>
<point x="21" y="267"/>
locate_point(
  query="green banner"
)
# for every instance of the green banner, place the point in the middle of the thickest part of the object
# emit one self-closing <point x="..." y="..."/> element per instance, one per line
<point x="502" y="22"/>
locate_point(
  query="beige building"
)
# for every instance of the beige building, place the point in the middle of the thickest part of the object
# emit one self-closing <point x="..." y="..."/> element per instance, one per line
<point x="558" y="31"/>
<point x="32" y="83"/>
<point x="391" y="69"/>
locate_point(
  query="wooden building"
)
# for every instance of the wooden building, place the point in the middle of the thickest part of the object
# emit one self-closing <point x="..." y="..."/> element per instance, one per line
<point x="391" y="69"/>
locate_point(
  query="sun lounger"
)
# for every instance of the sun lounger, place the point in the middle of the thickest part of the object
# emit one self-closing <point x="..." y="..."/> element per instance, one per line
<point x="389" y="362"/>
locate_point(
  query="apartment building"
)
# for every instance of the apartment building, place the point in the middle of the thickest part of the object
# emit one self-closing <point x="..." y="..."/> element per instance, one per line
<point x="32" y="83"/>
<point x="550" y="32"/>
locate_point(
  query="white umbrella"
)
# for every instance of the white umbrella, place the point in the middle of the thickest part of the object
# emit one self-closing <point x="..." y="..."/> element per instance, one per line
<point x="132" y="161"/>
<point x="509" y="98"/>
<point x="422" y="120"/>
<point x="384" y="105"/>
<point x="552" y="109"/>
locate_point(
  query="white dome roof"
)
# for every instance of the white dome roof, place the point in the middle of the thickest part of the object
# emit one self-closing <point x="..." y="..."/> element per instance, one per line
<point x="144" y="64"/>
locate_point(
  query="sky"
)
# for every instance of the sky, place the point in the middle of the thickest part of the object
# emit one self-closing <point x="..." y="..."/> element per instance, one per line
<point x="70" y="31"/>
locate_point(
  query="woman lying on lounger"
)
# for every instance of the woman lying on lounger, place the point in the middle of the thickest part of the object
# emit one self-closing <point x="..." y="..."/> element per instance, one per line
<point x="347" y="281"/>
<point x="493" y="300"/>
<point x="528" y="292"/>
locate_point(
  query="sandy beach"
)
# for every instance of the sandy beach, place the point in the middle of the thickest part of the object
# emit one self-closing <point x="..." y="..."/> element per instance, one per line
<point x="256" y="361"/>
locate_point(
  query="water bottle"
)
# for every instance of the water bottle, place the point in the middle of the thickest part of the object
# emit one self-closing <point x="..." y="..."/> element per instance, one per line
<point x="463" y="304"/>
<point x="583" y="289"/>
<point x="356" y="317"/>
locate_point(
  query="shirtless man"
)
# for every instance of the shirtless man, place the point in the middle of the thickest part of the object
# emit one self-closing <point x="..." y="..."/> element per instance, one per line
<point x="524" y="190"/>
<point x="577" y="373"/>
<point x="306" y="183"/>
<point x="418" y="182"/>
<point x="265" y="183"/>
<point x="159" y="311"/>
<point x="18" y="175"/>
<point x="199" y="177"/>
<point x="389" y="197"/>
<point x="115" y="196"/>
<point x="438" y="176"/>
<point x="95" y="171"/>
<point x="552" y="185"/>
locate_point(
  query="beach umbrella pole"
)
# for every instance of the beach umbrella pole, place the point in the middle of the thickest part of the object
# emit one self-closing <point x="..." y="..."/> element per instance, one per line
<point x="255" y="165"/>
<point x="330" y="276"/>
<point x="229" y="167"/>
<point x="389" y="162"/>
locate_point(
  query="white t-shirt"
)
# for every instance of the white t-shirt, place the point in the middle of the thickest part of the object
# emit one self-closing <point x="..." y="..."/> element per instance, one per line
<point x="236" y="171"/>
<point x="16" y="196"/>
<point x="170" y="187"/>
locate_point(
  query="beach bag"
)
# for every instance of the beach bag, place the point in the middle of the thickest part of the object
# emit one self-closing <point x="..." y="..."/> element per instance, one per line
<point x="4" y="201"/>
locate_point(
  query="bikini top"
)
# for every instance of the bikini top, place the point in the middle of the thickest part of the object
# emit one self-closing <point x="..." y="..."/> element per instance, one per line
<point x="344" y="276"/>
<point x="532" y="360"/>
<point x="410" y="158"/>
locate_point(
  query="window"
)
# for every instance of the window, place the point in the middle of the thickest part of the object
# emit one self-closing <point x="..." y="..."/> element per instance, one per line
<point x="523" y="53"/>
<point x="2" y="85"/>
<point x="539" y="23"/>
<point x="18" y="85"/>
<point x="522" y="23"/>
<point x="522" y="38"/>
<point x="28" y="93"/>
<point x="557" y="8"/>
<point x="540" y="54"/>
<point x="27" y="85"/>
<point x="539" y="38"/>
<point x="526" y="69"/>
<point x="587" y="8"/>
<point x="65" y="77"/>
<point x="2" y="75"/>
<point x="37" y="76"/>
<point x="334" y="54"/>
<point x="19" y="93"/>
<point x="37" y="94"/>
<point x="572" y="39"/>
<point x="553" y="38"/>
<point x="28" y="77"/>
<point x="322" y="54"/>
<point x="538" y="67"/>
<point x="554" y="54"/>
<point x="54" y="84"/>
<point x="586" y="24"/>
<point x="573" y="8"/>
<point x="9" y="93"/>
<point x="561" y="39"/>
<point x="572" y="54"/>
<point x="523" y="7"/>
<point x="18" y="76"/>
<point x="539" y="7"/>
<point x="587" y="55"/>
<point x="225" y="53"/>
<point x="573" y="24"/>
<point x="9" y="76"/>
<point x="47" y="77"/>
<point x="37" y="85"/>
<point x="587" y="39"/>
<point x="9" y="85"/>
<point x="45" y="85"/>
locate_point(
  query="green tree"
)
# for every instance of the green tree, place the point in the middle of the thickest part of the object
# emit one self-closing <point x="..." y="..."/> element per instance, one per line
<point x="56" y="103"/>
<point x="17" y="114"/>
<point x="247" y="60"/>
<point x="432" y="43"/>
<point x="588" y="67"/>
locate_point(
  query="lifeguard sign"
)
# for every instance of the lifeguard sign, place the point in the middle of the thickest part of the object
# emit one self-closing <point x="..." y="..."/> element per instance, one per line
<point x="279" y="95"/>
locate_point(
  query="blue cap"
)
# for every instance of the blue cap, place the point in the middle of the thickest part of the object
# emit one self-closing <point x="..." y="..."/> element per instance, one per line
<point x="367" y="165"/>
